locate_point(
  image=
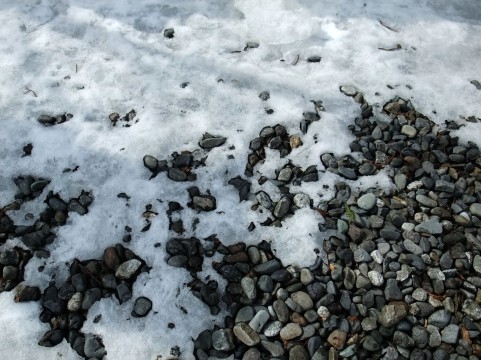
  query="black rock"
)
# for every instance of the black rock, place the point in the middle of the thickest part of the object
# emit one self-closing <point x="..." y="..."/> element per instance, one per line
<point x="142" y="307"/>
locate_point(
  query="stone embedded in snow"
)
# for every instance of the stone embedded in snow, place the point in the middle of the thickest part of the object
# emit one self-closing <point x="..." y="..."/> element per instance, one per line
<point x="203" y="203"/>
<point x="349" y="90"/>
<point x="476" y="83"/>
<point x="169" y="33"/>
<point x="127" y="269"/>
<point x="282" y="207"/>
<point x="210" y="141"/>
<point x="302" y="200"/>
<point x="150" y="162"/>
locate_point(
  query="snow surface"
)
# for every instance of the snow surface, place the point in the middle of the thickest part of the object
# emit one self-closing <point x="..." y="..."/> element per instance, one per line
<point x="91" y="58"/>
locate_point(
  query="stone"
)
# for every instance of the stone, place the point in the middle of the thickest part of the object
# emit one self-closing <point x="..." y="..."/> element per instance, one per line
<point x="290" y="331"/>
<point x="302" y="201"/>
<point x="303" y="299"/>
<point x="367" y="201"/>
<point x="210" y="142"/>
<point x="246" y="334"/>
<point x="142" y="307"/>
<point x="169" y="33"/>
<point x="249" y="287"/>
<point x="268" y="267"/>
<point x="223" y="340"/>
<point x="472" y="309"/>
<point x="393" y="313"/>
<point x="252" y="354"/>
<point x="440" y="318"/>
<point x="75" y="302"/>
<point x="90" y="297"/>
<point x="127" y="269"/>
<point x="282" y="207"/>
<point x="409" y="131"/>
<point x="298" y="352"/>
<point x="376" y="278"/>
<point x="272" y="328"/>
<point x="432" y="227"/>
<point x="337" y="339"/>
<point x="93" y="347"/>
<point x="450" y="334"/>
<point x="477" y="264"/>
<point x="259" y="320"/>
<point x="426" y="201"/>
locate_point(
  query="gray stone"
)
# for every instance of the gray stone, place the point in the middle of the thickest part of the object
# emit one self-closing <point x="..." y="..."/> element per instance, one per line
<point x="302" y="200"/>
<point x="444" y="186"/>
<point x="303" y="299"/>
<point x="290" y="331"/>
<point x="282" y="207"/>
<point x="403" y="340"/>
<point x="264" y="199"/>
<point x="281" y="310"/>
<point x="370" y="344"/>
<point x="259" y="320"/>
<point x="472" y="309"/>
<point x="477" y="264"/>
<point x="142" y="307"/>
<point x="432" y="227"/>
<point x="285" y="174"/>
<point x="392" y="291"/>
<point x="127" y="269"/>
<point x="212" y="142"/>
<point x="249" y="288"/>
<point x="348" y="90"/>
<point x="419" y="294"/>
<point x="252" y="354"/>
<point x="361" y="255"/>
<point x="306" y="276"/>
<point x="93" y="347"/>
<point x="400" y="180"/>
<point x="223" y="340"/>
<point x="265" y="283"/>
<point x="450" y="334"/>
<point x="245" y="314"/>
<point x="268" y="267"/>
<point x="440" y="318"/>
<point x="246" y="334"/>
<point x="426" y="201"/>
<point x="90" y="297"/>
<point x="369" y="323"/>
<point x="349" y="351"/>
<point x="176" y="174"/>
<point x="348" y="173"/>
<point x="410" y="246"/>
<point x="376" y="277"/>
<point x="367" y="169"/>
<point x="366" y="201"/>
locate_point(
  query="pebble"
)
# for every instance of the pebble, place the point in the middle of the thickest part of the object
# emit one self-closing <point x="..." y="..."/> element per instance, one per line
<point x="223" y="339"/>
<point x="246" y="334"/>
<point x="367" y="201"/>
<point x="127" y="269"/>
<point x="290" y="331"/>
<point x="142" y="307"/>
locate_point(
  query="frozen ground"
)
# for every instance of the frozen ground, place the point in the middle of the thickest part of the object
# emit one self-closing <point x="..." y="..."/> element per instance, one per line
<point x="90" y="59"/>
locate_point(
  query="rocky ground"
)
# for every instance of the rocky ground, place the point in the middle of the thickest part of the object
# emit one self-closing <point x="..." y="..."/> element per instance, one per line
<point x="403" y="273"/>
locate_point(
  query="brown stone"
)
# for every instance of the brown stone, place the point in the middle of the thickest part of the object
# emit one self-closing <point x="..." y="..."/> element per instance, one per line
<point x="337" y="339"/>
<point x="111" y="258"/>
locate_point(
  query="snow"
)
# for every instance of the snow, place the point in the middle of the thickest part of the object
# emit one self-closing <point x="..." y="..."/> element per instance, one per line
<point x="90" y="58"/>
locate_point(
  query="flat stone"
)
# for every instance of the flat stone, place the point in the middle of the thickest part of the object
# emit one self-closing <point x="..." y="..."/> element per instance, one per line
<point x="245" y="314"/>
<point x="212" y="142"/>
<point x="426" y="201"/>
<point x="348" y="173"/>
<point x="450" y="334"/>
<point x="367" y="201"/>
<point x="432" y="227"/>
<point x="246" y="334"/>
<point x="477" y="264"/>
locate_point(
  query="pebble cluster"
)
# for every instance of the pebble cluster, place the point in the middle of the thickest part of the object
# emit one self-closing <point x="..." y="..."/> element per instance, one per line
<point x="403" y="275"/>
<point x="127" y="119"/>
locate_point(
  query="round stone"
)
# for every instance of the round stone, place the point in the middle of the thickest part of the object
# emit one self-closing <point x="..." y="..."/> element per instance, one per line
<point x="127" y="269"/>
<point x="303" y="299"/>
<point x="367" y="201"/>
<point x="75" y="302"/>
<point x="376" y="277"/>
<point x="142" y="306"/>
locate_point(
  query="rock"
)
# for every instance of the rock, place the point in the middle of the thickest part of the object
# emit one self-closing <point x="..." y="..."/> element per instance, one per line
<point x="169" y="33"/>
<point x="298" y="352"/>
<point x="209" y="141"/>
<point x="111" y="258"/>
<point x="275" y="349"/>
<point x="348" y="90"/>
<point x="392" y="291"/>
<point x="409" y="131"/>
<point x="475" y="209"/>
<point x="370" y="344"/>
<point x="477" y="264"/>
<point x="202" y="203"/>
<point x="150" y="163"/>
<point x="281" y="310"/>
<point x="303" y="299"/>
<point x="127" y="269"/>
<point x="432" y="227"/>
<point x="337" y="339"/>
<point x="348" y="173"/>
<point x="93" y="347"/>
<point x="246" y="334"/>
<point x="440" y="318"/>
<point x="223" y="340"/>
<point x="273" y="328"/>
<point x="367" y="201"/>
<point x="285" y="174"/>
<point x="472" y="309"/>
<point x="426" y="201"/>
<point x="450" y="334"/>
<point x="393" y="313"/>
<point x="314" y="59"/>
<point x="90" y="297"/>
<point x="376" y="277"/>
<point x="282" y="207"/>
<point x="75" y="302"/>
<point x="252" y="354"/>
<point x="142" y="307"/>
<point x="290" y="331"/>
<point x="264" y="96"/>
<point x="259" y="320"/>
<point x="268" y="267"/>
<point x="176" y="174"/>
<point x="476" y="83"/>
<point x="27" y="293"/>
<point x="249" y="288"/>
